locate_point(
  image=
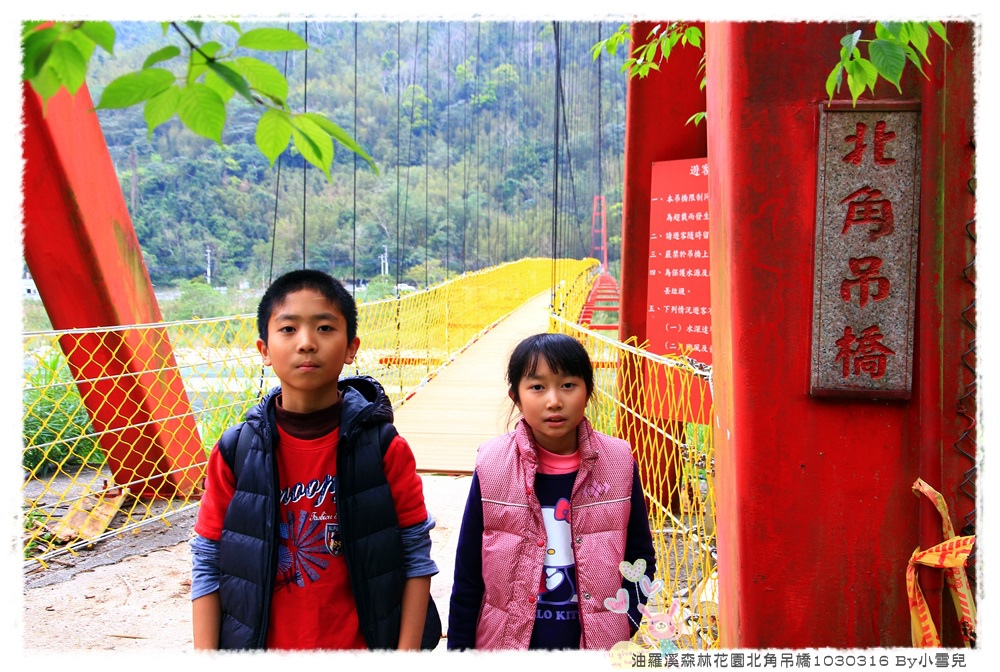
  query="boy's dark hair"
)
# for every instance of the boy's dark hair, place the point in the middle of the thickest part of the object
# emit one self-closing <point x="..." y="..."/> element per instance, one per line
<point x="329" y="287"/>
<point x="564" y="354"/>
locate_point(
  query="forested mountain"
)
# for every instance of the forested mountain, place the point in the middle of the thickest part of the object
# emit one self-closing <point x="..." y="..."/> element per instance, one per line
<point x="459" y="118"/>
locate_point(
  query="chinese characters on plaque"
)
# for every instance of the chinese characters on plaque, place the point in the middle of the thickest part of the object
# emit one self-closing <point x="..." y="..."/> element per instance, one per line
<point x="864" y="285"/>
<point x="679" y="314"/>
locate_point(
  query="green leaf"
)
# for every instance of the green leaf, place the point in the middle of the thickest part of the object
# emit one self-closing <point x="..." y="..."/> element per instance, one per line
<point x="834" y="80"/>
<point x="338" y="134"/>
<point x="693" y="35"/>
<point x="160" y="108"/>
<point x="920" y="38"/>
<point x="196" y="26"/>
<point x="666" y="46"/>
<point x="894" y="28"/>
<point x="46" y="83"/>
<point x="36" y="48"/>
<point x="889" y="58"/>
<point x="857" y="80"/>
<point x="263" y="78"/>
<point x="315" y="146"/>
<point x="696" y="118"/>
<point x="913" y="58"/>
<point x="271" y="39"/>
<point x="205" y="52"/>
<point x="274" y="130"/>
<point x="29" y="27"/>
<point x="203" y="111"/>
<point x="101" y="32"/>
<point x="650" y="51"/>
<point x="234" y="25"/>
<point x="870" y="72"/>
<point x="68" y="62"/>
<point x="234" y="79"/>
<point x="849" y="42"/>
<point x="939" y="30"/>
<point x="217" y="84"/>
<point x="83" y="43"/>
<point x="160" y="55"/>
<point x="135" y="87"/>
<point x="198" y="63"/>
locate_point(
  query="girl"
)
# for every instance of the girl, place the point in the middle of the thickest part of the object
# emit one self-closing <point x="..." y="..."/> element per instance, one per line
<point x="554" y="508"/>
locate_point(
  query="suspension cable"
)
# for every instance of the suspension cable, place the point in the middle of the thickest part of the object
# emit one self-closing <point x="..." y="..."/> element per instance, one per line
<point x="399" y="58"/>
<point x="447" y="154"/>
<point x="277" y="186"/>
<point x="409" y="145"/>
<point x="479" y="184"/>
<point x="305" y="164"/>
<point x="427" y="151"/>
<point x="555" y="164"/>
<point x="354" y="218"/>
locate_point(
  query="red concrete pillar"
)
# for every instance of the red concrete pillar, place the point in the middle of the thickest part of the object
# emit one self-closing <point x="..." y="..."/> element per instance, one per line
<point x="816" y="521"/>
<point x="948" y="347"/>
<point x="656" y="109"/>
<point x="85" y="259"/>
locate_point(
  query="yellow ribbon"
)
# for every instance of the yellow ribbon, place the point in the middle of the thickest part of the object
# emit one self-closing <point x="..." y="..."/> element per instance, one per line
<point x="951" y="556"/>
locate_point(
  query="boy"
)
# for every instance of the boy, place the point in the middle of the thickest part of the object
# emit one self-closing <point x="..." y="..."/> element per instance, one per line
<point x="312" y="533"/>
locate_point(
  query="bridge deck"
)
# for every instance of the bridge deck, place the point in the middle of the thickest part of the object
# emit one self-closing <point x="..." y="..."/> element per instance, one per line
<point x="466" y="403"/>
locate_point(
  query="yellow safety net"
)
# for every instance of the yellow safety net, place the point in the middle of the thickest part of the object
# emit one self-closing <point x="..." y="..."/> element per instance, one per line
<point x="210" y="373"/>
<point x="662" y="406"/>
<point x="82" y="407"/>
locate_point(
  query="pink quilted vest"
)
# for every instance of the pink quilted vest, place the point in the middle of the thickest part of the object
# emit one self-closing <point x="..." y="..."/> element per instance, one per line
<point x="514" y="539"/>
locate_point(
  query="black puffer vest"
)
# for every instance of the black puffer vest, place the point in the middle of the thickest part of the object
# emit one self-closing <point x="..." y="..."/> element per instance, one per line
<point x="368" y="525"/>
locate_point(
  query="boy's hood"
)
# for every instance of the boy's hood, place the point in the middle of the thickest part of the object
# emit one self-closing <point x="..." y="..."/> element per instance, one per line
<point x="365" y="402"/>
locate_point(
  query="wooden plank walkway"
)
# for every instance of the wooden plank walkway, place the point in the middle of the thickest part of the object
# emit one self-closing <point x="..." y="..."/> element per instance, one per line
<point x="466" y="403"/>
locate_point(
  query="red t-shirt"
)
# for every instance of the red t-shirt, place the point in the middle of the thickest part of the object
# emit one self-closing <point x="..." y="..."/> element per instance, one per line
<point x="312" y="607"/>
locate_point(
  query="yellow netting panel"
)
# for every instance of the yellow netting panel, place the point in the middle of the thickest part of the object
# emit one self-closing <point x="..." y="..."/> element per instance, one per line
<point x="662" y="406"/>
<point x="82" y="407"/>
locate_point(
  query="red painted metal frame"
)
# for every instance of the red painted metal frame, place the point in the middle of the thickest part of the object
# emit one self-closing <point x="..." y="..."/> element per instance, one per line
<point x="84" y="257"/>
<point x="657" y="108"/>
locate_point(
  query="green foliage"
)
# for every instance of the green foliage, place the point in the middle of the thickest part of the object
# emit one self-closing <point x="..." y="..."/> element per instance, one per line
<point x="56" y="425"/>
<point x="657" y="49"/>
<point x="660" y="43"/>
<point x="472" y="180"/>
<point x="34" y="317"/>
<point x="379" y="287"/>
<point x="221" y="410"/>
<point x="195" y="86"/>
<point x="57" y="54"/>
<point x="895" y="43"/>
<point x="197" y="301"/>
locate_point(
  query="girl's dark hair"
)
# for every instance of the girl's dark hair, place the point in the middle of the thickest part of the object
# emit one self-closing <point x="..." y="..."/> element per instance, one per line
<point x="564" y="354"/>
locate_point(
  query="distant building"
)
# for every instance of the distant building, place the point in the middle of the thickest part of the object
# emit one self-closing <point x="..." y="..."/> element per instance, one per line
<point x="29" y="291"/>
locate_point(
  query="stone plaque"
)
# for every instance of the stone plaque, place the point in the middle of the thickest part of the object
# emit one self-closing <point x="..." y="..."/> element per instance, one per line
<point x="864" y="284"/>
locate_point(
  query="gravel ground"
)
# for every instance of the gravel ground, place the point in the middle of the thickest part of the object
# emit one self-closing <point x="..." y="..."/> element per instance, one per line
<point x="133" y="593"/>
<point x="131" y="597"/>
